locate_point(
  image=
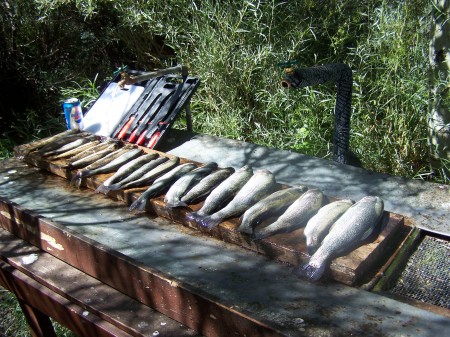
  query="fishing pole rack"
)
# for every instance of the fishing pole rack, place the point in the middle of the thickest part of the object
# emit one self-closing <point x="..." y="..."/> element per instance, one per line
<point x="155" y="110"/>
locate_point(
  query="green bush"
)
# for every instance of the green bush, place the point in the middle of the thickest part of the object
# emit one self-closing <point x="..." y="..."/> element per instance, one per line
<point x="233" y="48"/>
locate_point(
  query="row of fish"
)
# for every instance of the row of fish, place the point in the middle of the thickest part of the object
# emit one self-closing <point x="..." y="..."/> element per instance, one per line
<point x="264" y="207"/>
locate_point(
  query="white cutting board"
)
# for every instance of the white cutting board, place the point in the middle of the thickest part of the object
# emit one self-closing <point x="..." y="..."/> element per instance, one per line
<point x="110" y="108"/>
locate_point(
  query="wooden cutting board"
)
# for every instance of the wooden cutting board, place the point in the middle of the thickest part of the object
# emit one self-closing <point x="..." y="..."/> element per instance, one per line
<point x="355" y="268"/>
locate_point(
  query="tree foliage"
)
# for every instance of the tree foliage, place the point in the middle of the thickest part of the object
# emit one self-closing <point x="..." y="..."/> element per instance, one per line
<point x="233" y="47"/>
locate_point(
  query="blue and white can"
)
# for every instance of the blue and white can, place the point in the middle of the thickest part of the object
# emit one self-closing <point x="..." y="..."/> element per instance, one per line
<point x="73" y="113"/>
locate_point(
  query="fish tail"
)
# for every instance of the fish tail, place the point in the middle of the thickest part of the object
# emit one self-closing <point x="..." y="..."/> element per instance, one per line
<point x="264" y="233"/>
<point x="208" y="221"/>
<point x="311" y="271"/>
<point x="245" y="229"/>
<point x="139" y="204"/>
<point x="260" y="235"/>
<point x="76" y="180"/>
<point x="102" y="189"/>
<point x="112" y="187"/>
<point x="312" y="248"/>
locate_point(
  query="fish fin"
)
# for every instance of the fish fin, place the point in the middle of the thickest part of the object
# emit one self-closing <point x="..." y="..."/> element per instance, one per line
<point x="138" y="205"/>
<point x="310" y="271"/>
<point x="367" y="233"/>
<point x="208" y="221"/>
<point x="192" y="216"/>
<point x="262" y="234"/>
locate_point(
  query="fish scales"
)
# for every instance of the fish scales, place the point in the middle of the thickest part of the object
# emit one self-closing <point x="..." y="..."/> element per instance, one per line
<point x="108" y="166"/>
<point x="61" y="142"/>
<point x="108" y="158"/>
<point x="184" y="183"/>
<point x="223" y="193"/>
<point x="319" y="225"/>
<point x="206" y="185"/>
<point x="44" y="141"/>
<point x="88" y="160"/>
<point x="69" y="146"/>
<point x="125" y="170"/>
<point x="259" y="186"/>
<point x="139" y="175"/>
<point x="273" y="205"/>
<point x="161" y="184"/>
<point x="353" y="227"/>
<point x="95" y="149"/>
<point x="295" y="216"/>
<point x="150" y="176"/>
<point x="75" y="151"/>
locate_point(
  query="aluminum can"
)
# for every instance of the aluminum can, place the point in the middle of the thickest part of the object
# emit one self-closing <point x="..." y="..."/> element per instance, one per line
<point x="73" y="113"/>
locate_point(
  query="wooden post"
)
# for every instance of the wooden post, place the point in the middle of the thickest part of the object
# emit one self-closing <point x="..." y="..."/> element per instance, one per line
<point x="439" y="84"/>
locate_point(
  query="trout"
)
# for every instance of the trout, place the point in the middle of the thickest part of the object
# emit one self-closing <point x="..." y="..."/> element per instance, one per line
<point x="319" y="225"/>
<point x="183" y="184"/>
<point x="75" y="151"/>
<point x="223" y="193"/>
<point x="44" y="141"/>
<point x="273" y="205"/>
<point x="353" y="227"/>
<point x="206" y="185"/>
<point x="295" y="216"/>
<point x="161" y="184"/>
<point x="150" y="176"/>
<point x="69" y="146"/>
<point x="108" y="166"/>
<point x="126" y="170"/>
<point x="259" y="186"/>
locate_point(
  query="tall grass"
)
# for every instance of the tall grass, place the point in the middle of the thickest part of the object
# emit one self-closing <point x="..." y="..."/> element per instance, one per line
<point x="234" y="47"/>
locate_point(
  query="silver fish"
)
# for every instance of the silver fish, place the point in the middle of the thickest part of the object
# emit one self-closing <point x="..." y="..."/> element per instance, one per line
<point x="109" y="157"/>
<point x="108" y="165"/>
<point x="126" y="170"/>
<point x="223" y="193"/>
<point x="259" y="186"/>
<point x="69" y="146"/>
<point x="61" y="142"/>
<point x="161" y="184"/>
<point x="184" y="183"/>
<point x="96" y="148"/>
<point x="206" y="185"/>
<point x="295" y="216"/>
<point x="273" y="205"/>
<point x="353" y="227"/>
<point x="44" y="141"/>
<point x="319" y="225"/>
<point x="138" y="174"/>
<point x="75" y="151"/>
<point x="150" y="175"/>
<point x="92" y="158"/>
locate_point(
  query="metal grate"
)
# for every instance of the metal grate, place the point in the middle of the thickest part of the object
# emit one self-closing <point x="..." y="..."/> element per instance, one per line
<point x="427" y="274"/>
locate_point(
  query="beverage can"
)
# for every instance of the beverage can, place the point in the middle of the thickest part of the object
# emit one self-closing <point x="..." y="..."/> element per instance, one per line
<point x="73" y="113"/>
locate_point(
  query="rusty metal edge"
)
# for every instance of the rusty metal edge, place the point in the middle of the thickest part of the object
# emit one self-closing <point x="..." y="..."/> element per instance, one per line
<point x="54" y="283"/>
<point x="175" y="299"/>
<point x="53" y="305"/>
